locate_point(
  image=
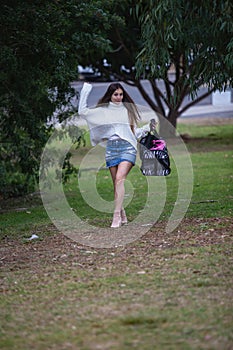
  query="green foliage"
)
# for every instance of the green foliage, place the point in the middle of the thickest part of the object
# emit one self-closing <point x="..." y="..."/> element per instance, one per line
<point x="125" y="39"/>
<point x="193" y="37"/>
<point x="55" y="154"/>
<point x="41" y="45"/>
<point x="184" y="43"/>
<point x="43" y="42"/>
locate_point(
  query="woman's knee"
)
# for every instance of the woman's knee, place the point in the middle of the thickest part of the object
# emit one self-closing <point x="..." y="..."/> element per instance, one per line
<point x="119" y="178"/>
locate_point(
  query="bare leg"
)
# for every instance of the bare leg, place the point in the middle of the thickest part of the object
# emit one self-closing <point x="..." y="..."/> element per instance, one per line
<point x="122" y="171"/>
<point x="113" y="171"/>
<point x="119" y="174"/>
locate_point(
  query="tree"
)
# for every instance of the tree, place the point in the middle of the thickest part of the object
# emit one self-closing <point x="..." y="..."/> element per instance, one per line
<point x="193" y="38"/>
<point x="41" y="45"/>
<point x="187" y="44"/>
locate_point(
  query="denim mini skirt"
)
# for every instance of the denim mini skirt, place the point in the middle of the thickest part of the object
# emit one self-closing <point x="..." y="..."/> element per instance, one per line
<point x="118" y="151"/>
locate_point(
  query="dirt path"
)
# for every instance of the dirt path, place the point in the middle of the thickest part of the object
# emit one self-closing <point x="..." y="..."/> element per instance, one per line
<point x="55" y="248"/>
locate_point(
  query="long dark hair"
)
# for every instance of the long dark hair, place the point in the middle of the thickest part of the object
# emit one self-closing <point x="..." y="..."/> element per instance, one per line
<point x="133" y="112"/>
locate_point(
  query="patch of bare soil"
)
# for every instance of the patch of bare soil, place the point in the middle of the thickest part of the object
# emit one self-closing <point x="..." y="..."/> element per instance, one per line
<point x="55" y="248"/>
<point x="197" y="144"/>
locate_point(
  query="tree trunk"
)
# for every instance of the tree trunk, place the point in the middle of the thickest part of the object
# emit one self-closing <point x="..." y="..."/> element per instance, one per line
<point x="168" y="124"/>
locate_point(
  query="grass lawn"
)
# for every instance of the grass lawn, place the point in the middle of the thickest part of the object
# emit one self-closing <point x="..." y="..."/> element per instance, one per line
<point x="163" y="291"/>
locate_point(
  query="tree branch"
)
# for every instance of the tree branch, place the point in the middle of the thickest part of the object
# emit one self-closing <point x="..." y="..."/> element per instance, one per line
<point x="158" y="96"/>
<point x="195" y="101"/>
<point x="147" y="98"/>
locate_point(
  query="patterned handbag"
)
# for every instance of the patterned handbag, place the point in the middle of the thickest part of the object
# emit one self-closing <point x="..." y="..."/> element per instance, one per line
<point x="154" y="155"/>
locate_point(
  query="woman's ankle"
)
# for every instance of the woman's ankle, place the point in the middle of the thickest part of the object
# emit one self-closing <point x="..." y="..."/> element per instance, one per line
<point x="124" y="219"/>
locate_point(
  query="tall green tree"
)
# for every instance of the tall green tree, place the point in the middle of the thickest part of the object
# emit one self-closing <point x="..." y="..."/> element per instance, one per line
<point x="186" y="44"/>
<point x="42" y="43"/>
<point x="192" y="38"/>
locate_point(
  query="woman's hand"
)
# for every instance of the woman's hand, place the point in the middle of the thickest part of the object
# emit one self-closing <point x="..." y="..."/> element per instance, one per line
<point x="152" y="125"/>
<point x="87" y="85"/>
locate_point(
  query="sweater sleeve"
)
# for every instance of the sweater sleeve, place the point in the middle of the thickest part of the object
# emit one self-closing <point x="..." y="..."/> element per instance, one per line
<point x="82" y="107"/>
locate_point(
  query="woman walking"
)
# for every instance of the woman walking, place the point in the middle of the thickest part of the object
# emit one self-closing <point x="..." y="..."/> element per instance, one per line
<point x="114" y="122"/>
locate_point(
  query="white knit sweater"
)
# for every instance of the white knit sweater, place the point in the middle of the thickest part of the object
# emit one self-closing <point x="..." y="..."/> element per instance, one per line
<point x="108" y="120"/>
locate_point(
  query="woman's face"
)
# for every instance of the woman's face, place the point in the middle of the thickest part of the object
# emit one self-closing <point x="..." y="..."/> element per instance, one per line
<point x="117" y="96"/>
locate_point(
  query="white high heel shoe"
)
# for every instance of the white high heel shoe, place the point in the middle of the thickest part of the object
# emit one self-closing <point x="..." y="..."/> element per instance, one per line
<point x="116" y="221"/>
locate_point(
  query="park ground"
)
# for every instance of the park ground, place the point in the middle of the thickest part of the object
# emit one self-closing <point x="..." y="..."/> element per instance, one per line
<point x="163" y="291"/>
